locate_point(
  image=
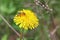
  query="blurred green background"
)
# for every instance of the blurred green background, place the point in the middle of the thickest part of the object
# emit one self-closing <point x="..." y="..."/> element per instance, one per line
<point x="9" y="8"/>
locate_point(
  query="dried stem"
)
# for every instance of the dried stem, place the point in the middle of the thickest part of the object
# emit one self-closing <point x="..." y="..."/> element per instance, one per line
<point x="9" y="25"/>
<point x="45" y="6"/>
<point x="53" y="32"/>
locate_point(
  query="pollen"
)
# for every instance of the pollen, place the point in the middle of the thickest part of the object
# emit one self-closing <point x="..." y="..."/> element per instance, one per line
<point x="26" y="19"/>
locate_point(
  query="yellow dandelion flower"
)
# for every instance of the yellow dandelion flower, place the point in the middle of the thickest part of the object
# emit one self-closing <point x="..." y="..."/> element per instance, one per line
<point x="26" y="19"/>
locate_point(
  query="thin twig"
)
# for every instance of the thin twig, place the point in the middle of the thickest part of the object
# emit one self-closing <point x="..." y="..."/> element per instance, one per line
<point x="9" y="25"/>
<point x="53" y="32"/>
<point x="45" y="6"/>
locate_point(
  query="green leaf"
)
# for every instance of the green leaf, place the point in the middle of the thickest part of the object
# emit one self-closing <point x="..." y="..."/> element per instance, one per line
<point x="0" y="20"/>
<point x="4" y="37"/>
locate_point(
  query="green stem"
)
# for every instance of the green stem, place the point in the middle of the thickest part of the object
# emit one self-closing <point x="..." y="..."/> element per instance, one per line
<point x="45" y="29"/>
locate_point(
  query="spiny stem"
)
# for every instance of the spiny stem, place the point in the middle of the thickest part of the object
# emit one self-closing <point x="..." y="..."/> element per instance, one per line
<point x="45" y="6"/>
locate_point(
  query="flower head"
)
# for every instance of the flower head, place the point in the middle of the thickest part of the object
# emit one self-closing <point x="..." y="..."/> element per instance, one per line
<point x="26" y="19"/>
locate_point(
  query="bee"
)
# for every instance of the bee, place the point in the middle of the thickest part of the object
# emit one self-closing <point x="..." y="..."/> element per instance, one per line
<point x="20" y="13"/>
